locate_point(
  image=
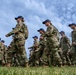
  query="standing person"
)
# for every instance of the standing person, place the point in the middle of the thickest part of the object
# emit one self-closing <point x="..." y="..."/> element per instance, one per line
<point x="65" y="47"/>
<point x="32" y="59"/>
<point x="42" y="51"/>
<point x="73" y="48"/>
<point x="52" y="41"/>
<point x="3" y="56"/>
<point x="20" y="33"/>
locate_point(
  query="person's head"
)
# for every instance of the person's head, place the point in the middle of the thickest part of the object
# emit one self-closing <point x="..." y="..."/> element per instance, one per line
<point x="47" y="22"/>
<point x="35" y="37"/>
<point x="2" y="41"/>
<point x="19" y="18"/>
<point x="62" y="33"/>
<point x="41" y="37"/>
<point x="41" y="31"/>
<point x="72" y="26"/>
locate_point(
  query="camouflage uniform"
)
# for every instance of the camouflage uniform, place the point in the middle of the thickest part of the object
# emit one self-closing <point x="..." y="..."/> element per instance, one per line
<point x="3" y="55"/>
<point x="40" y="50"/>
<point x="65" y="46"/>
<point x="43" y="51"/>
<point x="32" y="59"/>
<point x="20" y="33"/>
<point x="52" y="44"/>
<point x="73" y="48"/>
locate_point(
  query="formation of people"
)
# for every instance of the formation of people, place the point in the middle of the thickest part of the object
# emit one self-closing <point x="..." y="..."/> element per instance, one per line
<point x="49" y="50"/>
<point x="53" y="48"/>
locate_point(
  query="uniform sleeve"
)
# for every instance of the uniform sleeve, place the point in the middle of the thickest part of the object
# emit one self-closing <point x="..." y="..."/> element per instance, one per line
<point x="68" y="41"/>
<point x="26" y="32"/>
<point x="49" y="31"/>
<point x="60" y="44"/>
<point x="73" y="35"/>
<point x="15" y="30"/>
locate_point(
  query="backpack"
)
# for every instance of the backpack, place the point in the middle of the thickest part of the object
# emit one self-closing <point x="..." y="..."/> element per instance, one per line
<point x="25" y="31"/>
<point x="57" y="33"/>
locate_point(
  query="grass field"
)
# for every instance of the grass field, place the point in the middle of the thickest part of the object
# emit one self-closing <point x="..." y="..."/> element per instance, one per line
<point x="38" y="71"/>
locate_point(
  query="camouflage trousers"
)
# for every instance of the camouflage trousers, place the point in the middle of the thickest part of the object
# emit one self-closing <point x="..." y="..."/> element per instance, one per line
<point x="53" y="54"/>
<point x="44" y="58"/>
<point x="66" y="58"/>
<point x="17" y="54"/>
<point x="38" y="55"/>
<point x="73" y="55"/>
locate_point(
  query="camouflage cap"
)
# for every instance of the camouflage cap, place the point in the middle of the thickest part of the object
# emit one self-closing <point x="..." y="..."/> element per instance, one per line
<point x="19" y="17"/>
<point x="41" y="29"/>
<point x="62" y="32"/>
<point x="35" y="37"/>
<point x="47" y="20"/>
<point x="72" y="24"/>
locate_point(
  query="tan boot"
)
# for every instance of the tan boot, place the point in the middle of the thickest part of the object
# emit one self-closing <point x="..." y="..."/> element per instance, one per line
<point x="8" y="65"/>
<point x="26" y="64"/>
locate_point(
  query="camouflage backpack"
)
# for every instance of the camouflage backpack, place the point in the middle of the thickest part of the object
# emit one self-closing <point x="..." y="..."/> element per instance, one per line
<point x="25" y="30"/>
<point x="57" y="33"/>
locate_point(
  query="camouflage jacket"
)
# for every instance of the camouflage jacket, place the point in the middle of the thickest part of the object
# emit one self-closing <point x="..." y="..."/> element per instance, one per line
<point x="73" y="35"/>
<point x="42" y="42"/>
<point x="51" y="34"/>
<point x="64" y="42"/>
<point x="35" y="45"/>
<point x="20" y="31"/>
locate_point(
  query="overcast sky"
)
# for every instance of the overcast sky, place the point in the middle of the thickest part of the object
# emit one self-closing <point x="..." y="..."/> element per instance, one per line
<point x="60" y="12"/>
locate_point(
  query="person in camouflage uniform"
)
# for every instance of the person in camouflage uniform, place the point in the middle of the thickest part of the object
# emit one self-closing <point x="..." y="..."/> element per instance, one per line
<point x="65" y="47"/>
<point x="11" y="52"/>
<point x="42" y="51"/>
<point x="73" y="48"/>
<point x="32" y="59"/>
<point x="3" y="55"/>
<point x="52" y="42"/>
<point x="20" y="33"/>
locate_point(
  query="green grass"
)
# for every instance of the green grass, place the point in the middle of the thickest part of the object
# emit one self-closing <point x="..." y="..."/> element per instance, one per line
<point x="38" y="71"/>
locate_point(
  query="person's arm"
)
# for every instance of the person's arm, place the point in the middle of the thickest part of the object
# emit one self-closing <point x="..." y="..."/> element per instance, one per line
<point x="14" y="31"/>
<point x="49" y="31"/>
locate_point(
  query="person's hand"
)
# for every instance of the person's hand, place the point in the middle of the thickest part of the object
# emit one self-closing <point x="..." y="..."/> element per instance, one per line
<point x="6" y="35"/>
<point x="74" y="43"/>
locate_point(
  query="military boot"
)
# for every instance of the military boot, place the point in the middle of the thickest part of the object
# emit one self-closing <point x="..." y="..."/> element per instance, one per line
<point x="8" y="65"/>
<point x="26" y="64"/>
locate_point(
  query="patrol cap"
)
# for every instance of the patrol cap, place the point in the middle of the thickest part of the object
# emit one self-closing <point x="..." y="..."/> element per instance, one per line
<point x="19" y="17"/>
<point x="2" y="41"/>
<point x="62" y="32"/>
<point x="72" y="24"/>
<point x="41" y="29"/>
<point x="13" y="28"/>
<point x="47" y="20"/>
<point x="35" y="37"/>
